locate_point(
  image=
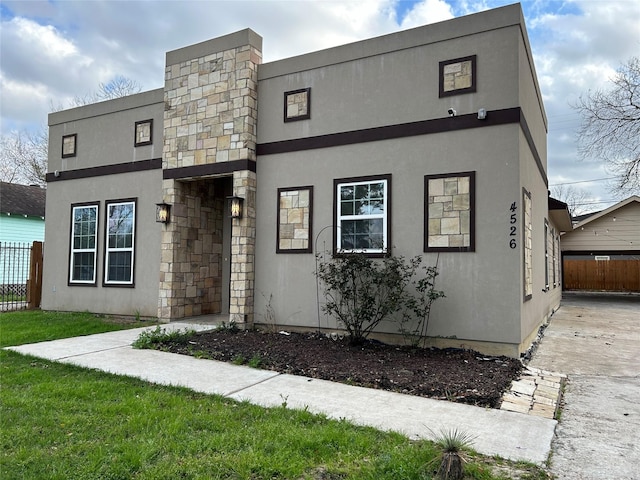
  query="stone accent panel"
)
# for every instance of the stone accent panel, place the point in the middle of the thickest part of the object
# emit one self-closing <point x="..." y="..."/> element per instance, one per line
<point x="211" y="108"/>
<point x="450" y="212"/>
<point x="297" y="105"/>
<point x="294" y="220"/>
<point x="527" y="232"/>
<point x="191" y="255"/>
<point x="458" y="76"/>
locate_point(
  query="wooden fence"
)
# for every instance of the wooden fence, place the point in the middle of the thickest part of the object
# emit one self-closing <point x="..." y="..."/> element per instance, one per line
<point x="607" y="275"/>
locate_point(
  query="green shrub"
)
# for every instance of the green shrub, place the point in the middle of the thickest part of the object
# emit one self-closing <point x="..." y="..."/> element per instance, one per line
<point x="360" y="292"/>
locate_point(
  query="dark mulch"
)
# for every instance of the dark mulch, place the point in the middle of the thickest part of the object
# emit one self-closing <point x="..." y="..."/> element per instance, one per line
<point x="451" y="374"/>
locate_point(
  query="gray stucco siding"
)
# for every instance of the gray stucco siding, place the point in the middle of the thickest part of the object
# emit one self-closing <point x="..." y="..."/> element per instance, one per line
<point x="143" y="296"/>
<point x="393" y="88"/>
<point x="105" y="136"/>
<point x="470" y="280"/>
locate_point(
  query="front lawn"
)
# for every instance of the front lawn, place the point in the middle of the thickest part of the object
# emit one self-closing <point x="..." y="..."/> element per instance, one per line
<point x="60" y="421"/>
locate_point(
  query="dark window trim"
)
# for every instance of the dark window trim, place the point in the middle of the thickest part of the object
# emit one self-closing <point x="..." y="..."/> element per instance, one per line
<point x="75" y="145"/>
<point x="547" y="284"/>
<point x="526" y="297"/>
<point x="70" y="282"/>
<point x="106" y="284"/>
<point x="307" y="115"/>
<point x="472" y="214"/>
<point x="309" y="249"/>
<point x="135" y="133"/>
<point x="461" y="91"/>
<point x="367" y="178"/>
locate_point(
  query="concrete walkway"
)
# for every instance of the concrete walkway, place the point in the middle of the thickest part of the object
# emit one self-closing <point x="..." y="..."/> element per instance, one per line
<point x="498" y="432"/>
<point x="594" y="339"/>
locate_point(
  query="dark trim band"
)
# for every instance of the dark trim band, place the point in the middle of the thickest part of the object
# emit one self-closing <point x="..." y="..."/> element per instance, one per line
<point x="139" y="166"/>
<point x="423" y="127"/>
<point x="209" y="169"/>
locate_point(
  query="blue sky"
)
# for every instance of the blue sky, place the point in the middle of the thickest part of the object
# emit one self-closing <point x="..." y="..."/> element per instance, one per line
<point x="52" y="51"/>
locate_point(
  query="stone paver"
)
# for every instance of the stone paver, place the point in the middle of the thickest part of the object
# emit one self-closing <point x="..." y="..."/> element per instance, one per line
<point x="536" y="392"/>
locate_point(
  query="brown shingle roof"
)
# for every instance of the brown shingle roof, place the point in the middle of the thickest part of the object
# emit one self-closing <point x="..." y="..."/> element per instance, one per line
<point x="22" y="199"/>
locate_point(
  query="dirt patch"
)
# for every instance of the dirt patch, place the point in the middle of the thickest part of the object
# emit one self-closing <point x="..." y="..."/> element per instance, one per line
<point x="457" y="375"/>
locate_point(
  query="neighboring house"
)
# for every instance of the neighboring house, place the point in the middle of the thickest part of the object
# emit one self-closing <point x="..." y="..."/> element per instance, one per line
<point x="603" y="250"/>
<point x="429" y="141"/>
<point x="21" y="223"/>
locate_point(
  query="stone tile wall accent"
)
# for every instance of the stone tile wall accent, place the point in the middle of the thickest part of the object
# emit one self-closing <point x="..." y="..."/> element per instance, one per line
<point x="211" y="108"/>
<point x="191" y="255"/>
<point x="294" y="220"/>
<point x="210" y="117"/>
<point x="458" y="76"/>
<point x="243" y="242"/>
<point x="450" y="202"/>
<point x="297" y="105"/>
<point x="528" y="245"/>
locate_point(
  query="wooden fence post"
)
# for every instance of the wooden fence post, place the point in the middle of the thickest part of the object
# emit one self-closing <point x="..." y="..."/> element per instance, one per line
<point x="34" y="294"/>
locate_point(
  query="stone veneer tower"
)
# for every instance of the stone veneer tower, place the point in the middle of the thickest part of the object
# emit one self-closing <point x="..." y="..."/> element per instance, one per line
<point x="210" y="117"/>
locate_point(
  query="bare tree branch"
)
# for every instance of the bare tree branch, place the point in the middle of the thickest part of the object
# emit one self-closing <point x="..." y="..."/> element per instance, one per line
<point x="610" y="127"/>
<point x="24" y="154"/>
<point x="575" y="198"/>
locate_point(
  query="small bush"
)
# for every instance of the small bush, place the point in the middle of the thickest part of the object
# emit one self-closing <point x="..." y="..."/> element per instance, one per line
<point x="151" y="339"/>
<point x="361" y="292"/>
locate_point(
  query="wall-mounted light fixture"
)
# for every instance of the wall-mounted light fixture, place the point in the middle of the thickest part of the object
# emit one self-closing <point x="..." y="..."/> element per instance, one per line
<point x="162" y="212"/>
<point x="482" y="114"/>
<point x="235" y="206"/>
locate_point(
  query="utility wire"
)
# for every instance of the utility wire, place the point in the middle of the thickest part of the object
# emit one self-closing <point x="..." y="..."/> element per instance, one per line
<point x="582" y="181"/>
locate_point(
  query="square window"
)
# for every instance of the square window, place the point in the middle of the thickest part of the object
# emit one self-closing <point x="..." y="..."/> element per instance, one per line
<point x="362" y="215"/>
<point x="69" y="145"/>
<point x="449" y="224"/>
<point x="143" y="133"/>
<point x="457" y="76"/>
<point x="297" y="105"/>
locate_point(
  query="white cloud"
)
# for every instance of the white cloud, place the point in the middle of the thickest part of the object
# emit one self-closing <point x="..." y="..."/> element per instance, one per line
<point x="53" y="51"/>
<point x="428" y="11"/>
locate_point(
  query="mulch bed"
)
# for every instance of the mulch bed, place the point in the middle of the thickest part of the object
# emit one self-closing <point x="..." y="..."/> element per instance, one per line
<point x="456" y="375"/>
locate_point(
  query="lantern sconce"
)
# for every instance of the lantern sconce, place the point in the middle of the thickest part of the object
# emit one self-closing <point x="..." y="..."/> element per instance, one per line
<point x="235" y="207"/>
<point x="162" y="212"/>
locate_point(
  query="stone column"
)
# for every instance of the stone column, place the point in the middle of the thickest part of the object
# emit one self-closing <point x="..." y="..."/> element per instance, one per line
<point x="243" y="251"/>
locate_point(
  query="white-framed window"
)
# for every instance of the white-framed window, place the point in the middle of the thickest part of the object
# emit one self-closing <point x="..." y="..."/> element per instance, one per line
<point x="362" y="214"/>
<point x="120" y="242"/>
<point x="83" y="251"/>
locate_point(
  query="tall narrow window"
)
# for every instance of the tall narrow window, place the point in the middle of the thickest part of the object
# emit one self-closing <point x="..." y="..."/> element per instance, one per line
<point x="84" y="229"/>
<point x="120" y="242"/>
<point x="546" y="254"/>
<point x="362" y="209"/>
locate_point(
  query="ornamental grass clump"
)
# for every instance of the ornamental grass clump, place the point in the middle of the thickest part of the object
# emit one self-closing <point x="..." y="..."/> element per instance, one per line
<point x="452" y="445"/>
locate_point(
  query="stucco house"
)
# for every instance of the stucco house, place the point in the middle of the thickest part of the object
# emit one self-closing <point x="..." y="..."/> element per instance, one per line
<point x="428" y="141"/>
<point x="602" y="252"/>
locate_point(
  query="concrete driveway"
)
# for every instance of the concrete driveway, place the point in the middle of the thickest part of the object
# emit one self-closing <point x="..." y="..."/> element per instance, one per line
<point x="595" y="340"/>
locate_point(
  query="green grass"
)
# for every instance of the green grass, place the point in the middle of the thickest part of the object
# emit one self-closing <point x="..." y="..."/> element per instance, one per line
<point x="60" y="421"/>
<point x="31" y="326"/>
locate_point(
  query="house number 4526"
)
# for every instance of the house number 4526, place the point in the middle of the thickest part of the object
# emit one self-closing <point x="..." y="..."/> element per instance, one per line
<point x="513" y="219"/>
